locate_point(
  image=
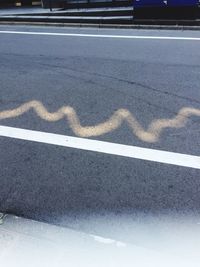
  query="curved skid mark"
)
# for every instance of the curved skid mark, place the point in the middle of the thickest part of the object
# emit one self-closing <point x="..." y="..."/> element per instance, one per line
<point x="150" y="135"/>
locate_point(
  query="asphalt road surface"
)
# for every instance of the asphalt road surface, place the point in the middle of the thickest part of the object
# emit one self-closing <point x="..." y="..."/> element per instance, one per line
<point x="132" y="87"/>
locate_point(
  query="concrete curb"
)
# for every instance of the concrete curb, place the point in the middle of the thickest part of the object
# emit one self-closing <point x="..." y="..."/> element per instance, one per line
<point x="103" y="26"/>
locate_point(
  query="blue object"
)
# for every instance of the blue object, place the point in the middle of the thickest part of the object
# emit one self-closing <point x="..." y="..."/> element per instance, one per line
<point x="183" y="2"/>
<point x="163" y="3"/>
<point x="148" y="3"/>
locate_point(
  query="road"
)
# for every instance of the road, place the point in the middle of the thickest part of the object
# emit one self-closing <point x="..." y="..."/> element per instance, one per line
<point x="132" y="87"/>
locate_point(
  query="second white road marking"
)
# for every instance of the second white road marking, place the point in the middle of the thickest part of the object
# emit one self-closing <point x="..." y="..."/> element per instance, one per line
<point x="104" y="35"/>
<point x="160" y="156"/>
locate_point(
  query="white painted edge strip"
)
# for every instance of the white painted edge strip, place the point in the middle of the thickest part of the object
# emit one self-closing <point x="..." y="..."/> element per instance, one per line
<point x="154" y="155"/>
<point x="103" y="35"/>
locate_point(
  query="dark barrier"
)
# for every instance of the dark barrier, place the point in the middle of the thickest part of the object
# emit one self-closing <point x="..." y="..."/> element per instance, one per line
<point x="170" y="9"/>
<point x="7" y="2"/>
<point x="26" y="2"/>
<point x="166" y="13"/>
<point x="10" y="3"/>
<point x="52" y="3"/>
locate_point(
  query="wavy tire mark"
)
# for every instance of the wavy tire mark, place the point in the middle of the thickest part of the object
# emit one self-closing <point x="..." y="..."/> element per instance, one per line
<point x="150" y="135"/>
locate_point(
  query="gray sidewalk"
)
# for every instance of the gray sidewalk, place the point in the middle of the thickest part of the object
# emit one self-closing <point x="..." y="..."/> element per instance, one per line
<point x="30" y="243"/>
<point x="116" y="17"/>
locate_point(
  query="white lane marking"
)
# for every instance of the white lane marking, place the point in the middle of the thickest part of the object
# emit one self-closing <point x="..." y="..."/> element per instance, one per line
<point x="103" y="35"/>
<point x="183" y="160"/>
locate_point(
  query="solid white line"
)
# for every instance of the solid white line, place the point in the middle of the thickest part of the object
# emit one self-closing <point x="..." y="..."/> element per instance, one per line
<point x="103" y="147"/>
<point x="103" y="35"/>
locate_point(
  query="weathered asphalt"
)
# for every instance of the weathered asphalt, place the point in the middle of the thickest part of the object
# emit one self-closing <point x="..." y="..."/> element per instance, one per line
<point x="151" y="78"/>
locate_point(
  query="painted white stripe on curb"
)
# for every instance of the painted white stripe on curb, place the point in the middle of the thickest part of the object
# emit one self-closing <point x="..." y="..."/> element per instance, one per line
<point x="103" y="35"/>
<point x="103" y="147"/>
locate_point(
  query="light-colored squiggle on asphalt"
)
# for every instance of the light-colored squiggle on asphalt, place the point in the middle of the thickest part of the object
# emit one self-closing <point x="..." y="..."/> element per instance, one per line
<point x="115" y="121"/>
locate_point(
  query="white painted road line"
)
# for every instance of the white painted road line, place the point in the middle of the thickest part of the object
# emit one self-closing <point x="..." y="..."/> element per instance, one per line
<point x="103" y="147"/>
<point x="104" y="35"/>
